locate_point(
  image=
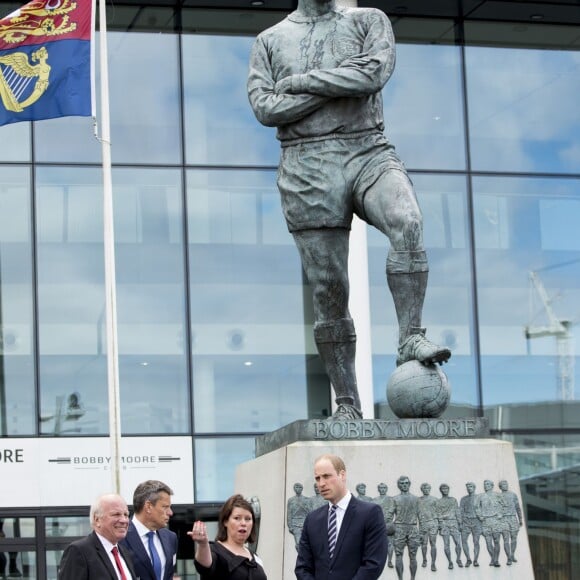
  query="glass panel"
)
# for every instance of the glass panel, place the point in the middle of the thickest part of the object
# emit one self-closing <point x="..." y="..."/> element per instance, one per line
<point x="75" y="142"/>
<point x="151" y="301"/>
<point x="144" y="107"/>
<point x="18" y="527"/>
<point x="528" y="271"/>
<point x="247" y="307"/>
<point x="231" y="21"/>
<point x="73" y="371"/>
<point x="17" y="384"/>
<point x="543" y="455"/>
<point x="53" y="558"/>
<point x="424" y="107"/>
<point x="15" y="142"/>
<point x="220" y="127"/>
<point x="67" y="526"/>
<point x="520" y="35"/>
<point x="443" y="202"/>
<point x="185" y="569"/>
<point x="215" y="466"/>
<point x="523" y="109"/>
<point x="19" y="565"/>
<point x="548" y="470"/>
<point x="14" y="562"/>
<point x="269" y="391"/>
<point x="433" y="30"/>
<point x="141" y="18"/>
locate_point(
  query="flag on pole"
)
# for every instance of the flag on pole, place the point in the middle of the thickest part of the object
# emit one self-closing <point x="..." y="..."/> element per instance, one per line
<point x="46" y="61"/>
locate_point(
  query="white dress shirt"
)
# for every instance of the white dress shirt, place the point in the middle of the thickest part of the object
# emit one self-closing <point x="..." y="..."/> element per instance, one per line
<point x="143" y="531"/>
<point x="341" y="509"/>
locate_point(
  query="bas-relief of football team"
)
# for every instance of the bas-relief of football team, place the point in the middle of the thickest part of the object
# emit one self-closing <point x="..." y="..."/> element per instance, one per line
<point x="416" y="521"/>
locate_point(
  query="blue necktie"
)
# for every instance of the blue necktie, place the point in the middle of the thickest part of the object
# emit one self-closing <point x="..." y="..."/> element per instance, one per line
<point x="332" y="530"/>
<point x="154" y="556"/>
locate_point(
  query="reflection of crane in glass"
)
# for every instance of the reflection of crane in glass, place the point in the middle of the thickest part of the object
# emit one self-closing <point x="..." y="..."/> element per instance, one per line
<point x="560" y="329"/>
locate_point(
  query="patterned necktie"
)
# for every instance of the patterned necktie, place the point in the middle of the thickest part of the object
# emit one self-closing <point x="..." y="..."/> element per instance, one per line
<point x="332" y="530"/>
<point x="115" y="551"/>
<point x="154" y="556"/>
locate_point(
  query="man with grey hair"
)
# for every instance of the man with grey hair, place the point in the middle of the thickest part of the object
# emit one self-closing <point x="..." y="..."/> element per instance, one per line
<point x="153" y="547"/>
<point x="317" y="76"/>
<point x="101" y="555"/>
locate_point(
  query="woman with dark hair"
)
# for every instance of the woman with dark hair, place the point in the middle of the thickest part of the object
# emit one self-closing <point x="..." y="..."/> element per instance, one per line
<point x="228" y="558"/>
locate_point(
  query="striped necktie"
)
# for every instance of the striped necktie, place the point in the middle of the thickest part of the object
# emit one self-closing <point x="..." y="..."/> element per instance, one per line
<point x="332" y="534"/>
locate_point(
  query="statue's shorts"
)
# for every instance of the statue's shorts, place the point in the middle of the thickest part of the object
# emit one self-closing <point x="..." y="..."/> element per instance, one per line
<point x="449" y="528"/>
<point x="491" y="525"/>
<point x="430" y="527"/>
<point x="406" y="535"/>
<point x="322" y="183"/>
<point x="512" y="523"/>
<point x="471" y="526"/>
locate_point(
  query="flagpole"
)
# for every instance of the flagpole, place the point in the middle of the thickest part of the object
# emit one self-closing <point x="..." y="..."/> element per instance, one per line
<point x="109" y="243"/>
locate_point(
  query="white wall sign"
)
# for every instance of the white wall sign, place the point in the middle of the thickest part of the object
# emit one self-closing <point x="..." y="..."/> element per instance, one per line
<point x="71" y="472"/>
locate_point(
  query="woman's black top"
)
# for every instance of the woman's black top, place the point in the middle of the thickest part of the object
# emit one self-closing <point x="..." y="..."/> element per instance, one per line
<point x="229" y="566"/>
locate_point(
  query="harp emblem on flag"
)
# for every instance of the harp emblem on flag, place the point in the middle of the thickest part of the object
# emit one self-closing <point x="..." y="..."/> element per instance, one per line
<point x="17" y="74"/>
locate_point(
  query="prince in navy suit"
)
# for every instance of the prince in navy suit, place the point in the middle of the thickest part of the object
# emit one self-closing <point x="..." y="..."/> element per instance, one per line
<point x="361" y="546"/>
<point x="152" y="507"/>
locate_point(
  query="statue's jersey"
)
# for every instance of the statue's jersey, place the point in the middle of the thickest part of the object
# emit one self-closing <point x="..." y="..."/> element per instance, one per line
<point x="336" y="65"/>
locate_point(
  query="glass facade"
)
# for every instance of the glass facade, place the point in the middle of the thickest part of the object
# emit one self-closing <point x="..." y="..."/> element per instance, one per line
<point x="214" y="315"/>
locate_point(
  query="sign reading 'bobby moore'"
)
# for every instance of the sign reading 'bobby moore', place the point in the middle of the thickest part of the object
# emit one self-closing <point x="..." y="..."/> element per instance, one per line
<point x="33" y="470"/>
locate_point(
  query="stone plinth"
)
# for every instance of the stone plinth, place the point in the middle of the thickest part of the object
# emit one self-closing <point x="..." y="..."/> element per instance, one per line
<point x="272" y="475"/>
<point x="372" y="430"/>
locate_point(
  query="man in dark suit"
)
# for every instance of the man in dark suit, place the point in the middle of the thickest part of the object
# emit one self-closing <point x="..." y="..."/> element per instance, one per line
<point x="99" y="556"/>
<point x="152" y="546"/>
<point x="360" y="551"/>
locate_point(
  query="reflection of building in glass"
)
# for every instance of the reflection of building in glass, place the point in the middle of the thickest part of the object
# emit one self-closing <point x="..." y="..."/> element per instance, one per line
<point x="9" y="565"/>
<point x="214" y="316"/>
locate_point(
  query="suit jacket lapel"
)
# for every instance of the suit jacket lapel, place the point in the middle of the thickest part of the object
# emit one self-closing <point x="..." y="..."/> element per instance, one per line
<point x="165" y="544"/>
<point x="135" y="542"/>
<point x="127" y="557"/>
<point x="323" y="525"/>
<point x="103" y="556"/>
